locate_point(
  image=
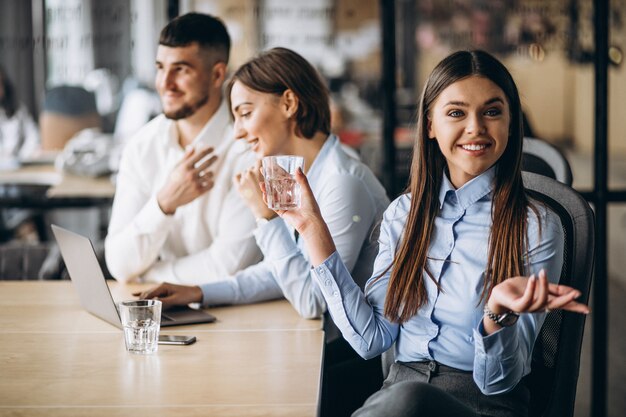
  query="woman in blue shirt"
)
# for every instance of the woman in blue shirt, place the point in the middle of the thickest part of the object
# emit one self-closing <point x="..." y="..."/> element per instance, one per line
<point x="464" y="257"/>
<point x="280" y="106"/>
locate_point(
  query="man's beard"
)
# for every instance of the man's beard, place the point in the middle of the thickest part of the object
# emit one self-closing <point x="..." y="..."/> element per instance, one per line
<point x="187" y="110"/>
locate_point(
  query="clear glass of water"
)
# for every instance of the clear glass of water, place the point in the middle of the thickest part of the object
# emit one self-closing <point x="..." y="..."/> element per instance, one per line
<point x="141" y="320"/>
<point x="282" y="190"/>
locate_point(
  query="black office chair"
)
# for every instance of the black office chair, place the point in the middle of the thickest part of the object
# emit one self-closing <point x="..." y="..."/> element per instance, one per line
<point x="556" y="355"/>
<point x="23" y="261"/>
<point x="66" y="110"/>
<point x="545" y="159"/>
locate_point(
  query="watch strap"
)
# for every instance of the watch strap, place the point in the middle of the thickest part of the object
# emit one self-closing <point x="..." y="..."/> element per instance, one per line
<point x="493" y="316"/>
<point x="505" y="319"/>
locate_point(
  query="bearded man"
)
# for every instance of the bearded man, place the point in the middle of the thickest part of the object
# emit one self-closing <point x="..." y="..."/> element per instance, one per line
<point x="176" y="215"/>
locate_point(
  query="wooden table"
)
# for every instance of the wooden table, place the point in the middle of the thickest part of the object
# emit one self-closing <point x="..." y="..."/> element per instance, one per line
<point x="41" y="186"/>
<point x="58" y="360"/>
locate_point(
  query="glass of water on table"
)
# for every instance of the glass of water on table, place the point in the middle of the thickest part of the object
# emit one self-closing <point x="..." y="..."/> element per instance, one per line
<point x="282" y="190"/>
<point x="141" y="320"/>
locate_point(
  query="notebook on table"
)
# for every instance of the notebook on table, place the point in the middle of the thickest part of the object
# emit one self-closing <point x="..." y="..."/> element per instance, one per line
<point x="95" y="297"/>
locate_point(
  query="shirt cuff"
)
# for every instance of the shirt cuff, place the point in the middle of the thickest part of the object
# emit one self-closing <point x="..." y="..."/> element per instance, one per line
<point x="502" y="342"/>
<point x="275" y="240"/>
<point x="217" y="293"/>
<point x="328" y="275"/>
<point x="152" y="218"/>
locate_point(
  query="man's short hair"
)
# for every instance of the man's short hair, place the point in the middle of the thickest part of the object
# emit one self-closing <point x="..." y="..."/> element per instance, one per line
<point x="208" y="31"/>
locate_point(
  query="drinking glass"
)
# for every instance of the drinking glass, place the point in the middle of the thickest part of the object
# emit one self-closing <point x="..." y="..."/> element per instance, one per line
<point x="141" y="320"/>
<point x="282" y="190"/>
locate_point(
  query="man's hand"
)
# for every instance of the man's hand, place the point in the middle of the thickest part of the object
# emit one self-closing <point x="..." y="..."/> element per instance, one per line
<point x="173" y="294"/>
<point x="189" y="180"/>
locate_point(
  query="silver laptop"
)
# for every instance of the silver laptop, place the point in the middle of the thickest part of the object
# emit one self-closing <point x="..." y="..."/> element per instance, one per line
<point x="87" y="277"/>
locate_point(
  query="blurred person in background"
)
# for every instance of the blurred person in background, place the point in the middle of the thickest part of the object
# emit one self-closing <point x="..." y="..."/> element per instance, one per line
<point x="19" y="140"/>
<point x="19" y="135"/>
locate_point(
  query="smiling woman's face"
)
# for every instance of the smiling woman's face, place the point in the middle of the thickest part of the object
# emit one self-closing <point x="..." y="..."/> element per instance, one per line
<point x="470" y="121"/>
<point x="260" y="120"/>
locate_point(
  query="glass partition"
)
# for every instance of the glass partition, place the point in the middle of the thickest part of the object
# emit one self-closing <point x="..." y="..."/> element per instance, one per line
<point x="340" y="37"/>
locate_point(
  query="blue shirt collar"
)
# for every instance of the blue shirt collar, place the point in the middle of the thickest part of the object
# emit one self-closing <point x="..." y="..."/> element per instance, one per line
<point x="316" y="169"/>
<point x="470" y="192"/>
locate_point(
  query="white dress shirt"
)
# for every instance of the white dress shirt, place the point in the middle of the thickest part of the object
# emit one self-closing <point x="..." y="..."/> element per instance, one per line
<point x="448" y="328"/>
<point x="19" y="134"/>
<point x="351" y="201"/>
<point x="207" y="239"/>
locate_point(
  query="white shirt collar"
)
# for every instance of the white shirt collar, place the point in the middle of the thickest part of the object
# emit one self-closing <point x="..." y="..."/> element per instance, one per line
<point x="212" y="133"/>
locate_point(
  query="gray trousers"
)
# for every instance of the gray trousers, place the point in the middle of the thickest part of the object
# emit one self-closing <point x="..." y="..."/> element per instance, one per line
<point x="430" y="389"/>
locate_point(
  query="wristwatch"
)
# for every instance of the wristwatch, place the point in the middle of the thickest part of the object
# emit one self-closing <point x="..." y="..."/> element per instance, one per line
<point x="504" y="319"/>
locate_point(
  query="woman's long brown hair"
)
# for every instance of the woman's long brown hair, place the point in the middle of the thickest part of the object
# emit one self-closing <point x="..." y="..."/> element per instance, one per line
<point x="507" y="243"/>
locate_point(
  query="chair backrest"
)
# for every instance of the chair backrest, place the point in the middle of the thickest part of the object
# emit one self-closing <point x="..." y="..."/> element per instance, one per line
<point x="22" y="261"/>
<point x="545" y="159"/>
<point x="556" y="354"/>
<point x="66" y="111"/>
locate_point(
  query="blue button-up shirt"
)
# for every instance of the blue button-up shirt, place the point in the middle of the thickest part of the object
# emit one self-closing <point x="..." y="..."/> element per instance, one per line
<point x="352" y="202"/>
<point x="448" y="328"/>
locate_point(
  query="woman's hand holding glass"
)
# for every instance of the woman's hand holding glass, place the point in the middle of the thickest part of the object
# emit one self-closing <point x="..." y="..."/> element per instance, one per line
<point x="308" y="221"/>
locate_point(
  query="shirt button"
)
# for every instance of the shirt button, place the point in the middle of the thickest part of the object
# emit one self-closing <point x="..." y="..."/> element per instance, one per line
<point x="335" y="293"/>
<point x="327" y="282"/>
<point x="321" y="272"/>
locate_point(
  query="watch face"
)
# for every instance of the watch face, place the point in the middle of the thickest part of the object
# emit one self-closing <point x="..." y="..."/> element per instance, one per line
<point x="508" y="319"/>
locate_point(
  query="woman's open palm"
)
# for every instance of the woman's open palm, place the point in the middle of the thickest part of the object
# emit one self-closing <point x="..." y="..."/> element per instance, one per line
<point x="532" y="294"/>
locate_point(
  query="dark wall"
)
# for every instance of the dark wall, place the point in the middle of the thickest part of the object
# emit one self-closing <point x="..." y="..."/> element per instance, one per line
<point x="17" y="46"/>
